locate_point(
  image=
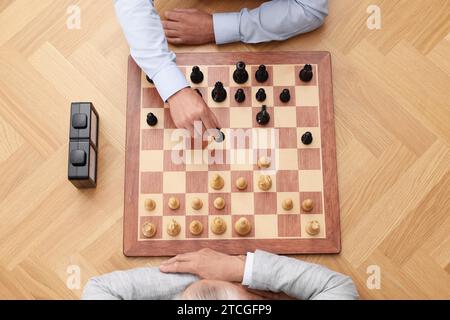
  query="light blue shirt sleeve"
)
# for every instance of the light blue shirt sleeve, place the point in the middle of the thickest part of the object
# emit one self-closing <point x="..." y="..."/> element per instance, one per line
<point x="143" y="30"/>
<point x="273" y="20"/>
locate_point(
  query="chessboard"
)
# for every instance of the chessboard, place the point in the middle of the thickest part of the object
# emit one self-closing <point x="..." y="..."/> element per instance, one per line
<point x="269" y="182"/>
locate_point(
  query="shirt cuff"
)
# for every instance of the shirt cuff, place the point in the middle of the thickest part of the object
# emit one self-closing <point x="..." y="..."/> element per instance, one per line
<point x="248" y="271"/>
<point x="169" y="81"/>
<point x="226" y="27"/>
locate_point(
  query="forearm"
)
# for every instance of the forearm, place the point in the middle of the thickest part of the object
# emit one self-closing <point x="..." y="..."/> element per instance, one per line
<point x="136" y="284"/>
<point x="299" y="279"/>
<point x="143" y="30"/>
<point x="273" y="20"/>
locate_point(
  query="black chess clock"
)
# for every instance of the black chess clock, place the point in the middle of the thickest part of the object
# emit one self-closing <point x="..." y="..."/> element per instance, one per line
<point x="83" y="145"/>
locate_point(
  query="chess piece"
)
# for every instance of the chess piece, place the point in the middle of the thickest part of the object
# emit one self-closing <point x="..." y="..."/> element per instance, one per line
<point x="198" y="91"/>
<point x="218" y="226"/>
<point x="149" y="204"/>
<point x="173" y="228"/>
<point x="219" y="203"/>
<point x="196" y="75"/>
<point x="241" y="183"/>
<point x="149" y="230"/>
<point x="307" y="205"/>
<point x="307" y="138"/>
<point x="263" y="117"/>
<point x="173" y="203"/>
<point x="148" y="79"/>
<point x="195" y="227"/>
<point x="219" y="94"/>
<point x="243" y="227"/>
<point x="265" y="182"/>
<point x="152" y="120"/>
<point x="220" y="137"/>
<point x="217" y="182"/>
<point x="285" y="96"/>
<point x="306" y="74"/>
<point x="263" y="162"/>
<point x="239" y="96"/>
<point x="313" y="228"/>
<point x="261" y="95"/>
<point x="287" y="204"/>
<point x="240" y="75"/>
<point x="261" y="74"/>
<point x="197" y="203"/>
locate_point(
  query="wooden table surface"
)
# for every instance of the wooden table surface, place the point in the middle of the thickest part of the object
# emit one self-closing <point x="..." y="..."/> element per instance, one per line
<point x="392" y="105"/>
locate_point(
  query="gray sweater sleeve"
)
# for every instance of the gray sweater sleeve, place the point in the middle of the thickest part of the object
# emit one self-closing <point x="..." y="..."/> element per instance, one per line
<point x="137" y="284"/>
<point x="299" y="279"/>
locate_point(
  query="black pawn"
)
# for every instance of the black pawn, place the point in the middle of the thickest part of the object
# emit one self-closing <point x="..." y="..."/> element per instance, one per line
<point x="152" y="120"/>
<point x="263" y="117"/>
<point x="149" y="80"/>
<point x="285" y="95"/>
<point x="261" y="74"/>
<point x="240" y="75"/>
<point x="239" y="96"/>
<point x="196" y="75"/>
<point x="306" y="74"/>
<point x="220" y="136"/>
<point x="219" y="94"/>
<point x="261" y="95"/>
<point x="307" y="138"/>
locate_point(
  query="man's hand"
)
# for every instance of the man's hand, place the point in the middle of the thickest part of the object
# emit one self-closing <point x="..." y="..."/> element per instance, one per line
<point x="207" y="264"/>
<point x="186" y="107"/>
<point x="188" y="26"/>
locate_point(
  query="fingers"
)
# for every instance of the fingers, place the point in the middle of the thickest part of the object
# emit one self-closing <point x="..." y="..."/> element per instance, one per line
<point x="185" y="10"/>
<point x="178" y="267"/>
<point x="210" y="120"/>
<point x="174" y="15"/>
<point x="171" y="33"/>
<point x="169" y="25"/>
<point x="175" y="40"/>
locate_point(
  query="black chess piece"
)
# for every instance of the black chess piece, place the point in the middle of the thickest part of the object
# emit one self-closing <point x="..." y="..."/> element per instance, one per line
<point x="261" y="95"/>
<point x="240" y="75"/>
<point x="306" y="74"/>
<point x="285" y="95"/>
<point x="152" y="120"/>
<point x="149" y="80"/>
<point x="198" y="91"/>
<point x="261" y="74"/>
<point x="219" y="94"/>
<point x="307" y="138"/>
<point x="220" y="137"/>
<point x="263" y="117"/>
<point x="196" y="75"/>
<point x="239" y="95"/>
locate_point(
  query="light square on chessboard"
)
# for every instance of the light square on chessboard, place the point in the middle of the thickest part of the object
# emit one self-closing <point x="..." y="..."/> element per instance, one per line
<point x="299" y="82"/>
<point x="306" y="96"/>
<point x="157" y="197"/>
<point x="197" y="181"/>
<point x="269" y="96"/>
<point x="271" y="122"/>
<point x="257" y="174"/>
<point x="152" y="139"/>
<point x="181" y="220"/>
<point x="151" y="182"/>
<point x="276" y="96"/>
<point x="285" y="117"/>
<point x="284" y="75"/>
<point x="307" y="116"/>
<point x="227" y="233"/>
<point x="294" y="196"/>
<point x="289" y="225"/>
<point x="151" y="98"/>
<point x="224" y="104"/>
<point x="287" y="159"/>
<point x="287" y="180"/>
<point x="144" y="82"/>
<point x="288" y="138"/>
<point x="202" y="196"/>
<point x="226" y="210"/>
<point x="310" y="180"/>
<point x="241" y="117"/>
<point x="247" y="175"/>
<point x="266" y="226"/>
<point x="246" y="103"/>
<point x="235" y="218"/>
<point x="309" y="159"/>
<point x="218" y="73"/>
<point x="151" y="160"/>
<point x="265" y="202"/>
<point x="203" y="69"/>
<point x="252" y="72"/>
<point x="204" y="222"/>
<point x="316" y="197"/>
<point x="316" y="143"/>
<point x="157" y="221"/>
<point x="174" y="182"/>
<point x="167" y="211"/>
<point x="223" y="116"/>
<point x="265" y="138"/>
<point x="226" y="178"/>
<point x="242" y="203"/>
<point x="158" y="112"/>
<point x="174" y="160"/>
<point x="305" y="218"/>
<point x="174" y="139"/>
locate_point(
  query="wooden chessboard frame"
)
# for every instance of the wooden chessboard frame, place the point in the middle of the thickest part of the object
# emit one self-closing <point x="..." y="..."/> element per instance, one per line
<point x="330" y="244"/>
